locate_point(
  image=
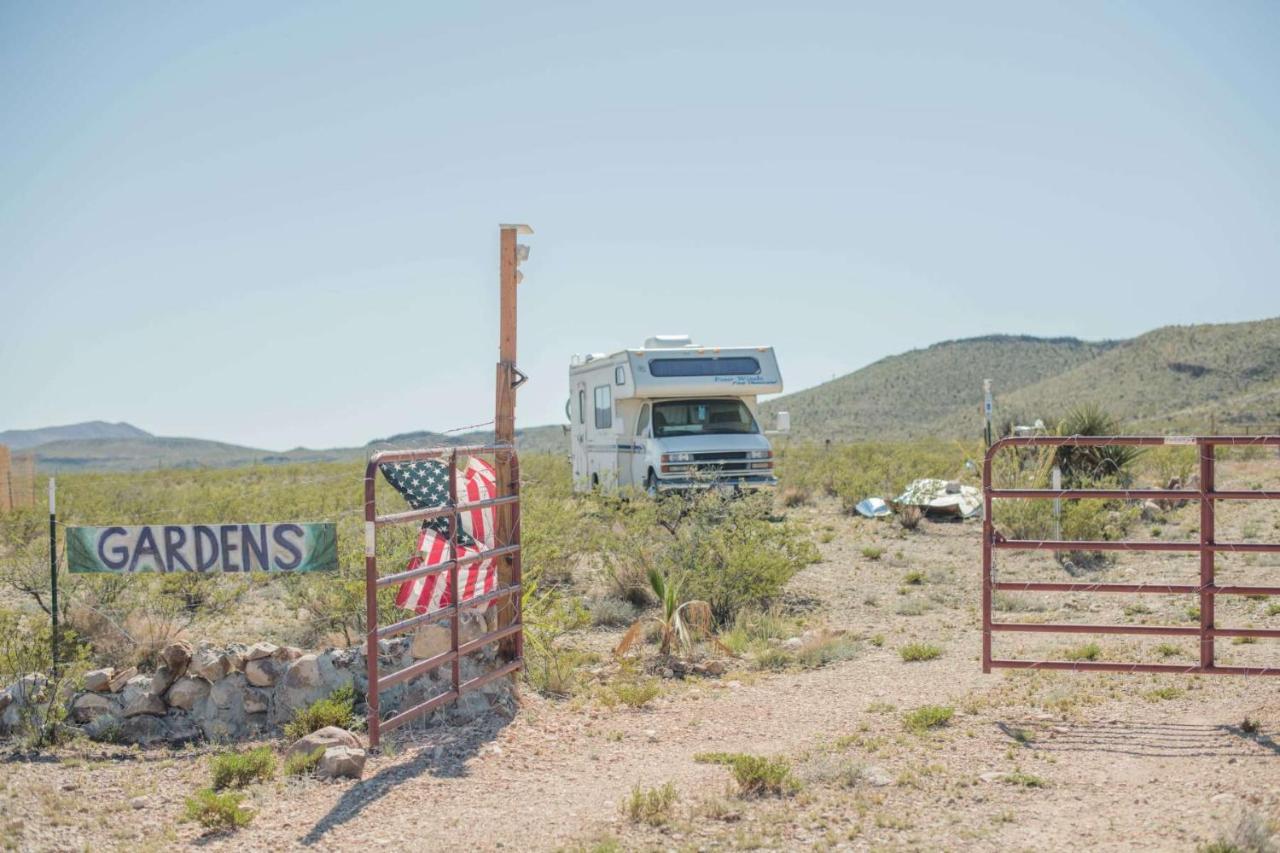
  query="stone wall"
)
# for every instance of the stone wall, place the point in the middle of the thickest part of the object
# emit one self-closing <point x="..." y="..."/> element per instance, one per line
<point x="237" y="692"/>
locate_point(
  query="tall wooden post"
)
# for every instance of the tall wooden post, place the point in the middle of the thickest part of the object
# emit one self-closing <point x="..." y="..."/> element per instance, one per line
<point x="504" y="410"/>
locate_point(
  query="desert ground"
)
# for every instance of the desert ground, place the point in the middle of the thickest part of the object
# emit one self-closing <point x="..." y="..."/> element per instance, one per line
<point x="1021" y="760"/>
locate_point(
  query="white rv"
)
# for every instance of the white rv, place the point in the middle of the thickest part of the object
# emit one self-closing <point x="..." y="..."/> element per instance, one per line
<point x="671" y="415"/>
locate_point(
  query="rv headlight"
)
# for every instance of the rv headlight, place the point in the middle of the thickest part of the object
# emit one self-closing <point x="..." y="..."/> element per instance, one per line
<point x="760" y="454"/>
<point x="677" y="457"/>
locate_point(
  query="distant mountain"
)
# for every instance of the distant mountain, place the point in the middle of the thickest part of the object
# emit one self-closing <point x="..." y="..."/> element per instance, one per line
<point x="1173" y="379"/>
<point x="21" y="439"/>
<point x="149" y="451"/>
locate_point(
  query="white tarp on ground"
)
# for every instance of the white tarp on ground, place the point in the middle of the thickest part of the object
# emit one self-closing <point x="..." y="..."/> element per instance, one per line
<point x="872" y="507"/>
<point x="942" y="498"/>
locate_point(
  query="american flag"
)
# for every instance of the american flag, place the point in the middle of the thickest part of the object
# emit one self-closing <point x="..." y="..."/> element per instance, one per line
<point x="424" y="485"/>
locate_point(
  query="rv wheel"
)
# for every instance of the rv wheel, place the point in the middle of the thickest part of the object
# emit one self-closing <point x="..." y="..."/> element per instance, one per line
<point x="651" y="484"/>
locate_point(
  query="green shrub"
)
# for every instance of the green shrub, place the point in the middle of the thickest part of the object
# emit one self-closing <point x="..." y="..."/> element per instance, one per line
<point x="872" y="553"/>
<point x="1025" y="780"/>
<point x="913" y="652"/>
<point x="336" y="709"/>
<point x="303" y="763"/>
<point x="238" y="769"/>
<point x="216" y="811"/>
<point x="755" y="774"/>
<point x="1086" y="651"/>
<point x="650" y="805"/>
<point x="928" y="717"/>
<point x="915" y="577"/>
<point x="634" y="693"/>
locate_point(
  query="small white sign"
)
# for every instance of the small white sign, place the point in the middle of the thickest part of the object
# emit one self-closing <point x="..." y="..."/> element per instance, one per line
<point x="1180" y="439"/>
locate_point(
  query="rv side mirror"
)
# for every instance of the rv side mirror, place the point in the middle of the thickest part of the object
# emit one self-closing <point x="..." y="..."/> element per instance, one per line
<point x="784" y="422"/>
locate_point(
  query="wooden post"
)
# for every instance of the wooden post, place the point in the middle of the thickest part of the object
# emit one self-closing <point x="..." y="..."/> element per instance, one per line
<point x="504" y="410"/>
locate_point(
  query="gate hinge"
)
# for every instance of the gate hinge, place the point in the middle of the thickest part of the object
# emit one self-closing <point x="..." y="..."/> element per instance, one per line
<point x="521" y="378"/>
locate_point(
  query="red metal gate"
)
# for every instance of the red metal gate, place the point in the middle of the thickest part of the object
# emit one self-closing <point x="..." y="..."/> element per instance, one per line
<point x="507" y="548"/>
<point x="1207" y="546"/>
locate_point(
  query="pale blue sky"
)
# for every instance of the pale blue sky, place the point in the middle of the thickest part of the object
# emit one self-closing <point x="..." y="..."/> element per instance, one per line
<point x="275" y="223"/>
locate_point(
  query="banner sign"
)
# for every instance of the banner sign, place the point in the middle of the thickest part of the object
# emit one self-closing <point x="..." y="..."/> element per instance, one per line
<point x="203" y="548"/>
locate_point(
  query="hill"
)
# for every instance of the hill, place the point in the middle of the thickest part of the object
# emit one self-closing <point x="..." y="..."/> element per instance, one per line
<point x="22" y="439"/>
<point x="908" y="395"/>
<point x="1173" y="379"/>
<point x="1177" y="378"/>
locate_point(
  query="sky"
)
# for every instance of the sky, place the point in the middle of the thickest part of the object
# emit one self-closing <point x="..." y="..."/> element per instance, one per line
<point x="275" y="224"/>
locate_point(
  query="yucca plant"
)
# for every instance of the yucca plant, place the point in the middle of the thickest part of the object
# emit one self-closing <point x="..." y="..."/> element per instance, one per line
<point x="680" y="623"/>
<point x="1084" y="465"/>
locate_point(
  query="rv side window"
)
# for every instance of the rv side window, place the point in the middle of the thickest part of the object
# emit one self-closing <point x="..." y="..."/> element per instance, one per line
<point x="604" y="407"/>
<point x="729" y="366"/>
<point x="619" y="376"/>
<point x="582" y="406"/>
<point x="643" y="421"/>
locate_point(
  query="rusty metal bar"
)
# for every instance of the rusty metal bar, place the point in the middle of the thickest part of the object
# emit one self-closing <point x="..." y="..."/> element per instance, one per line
<point x="1206" y="547"/>
<point x="374" y="582"/>
<point x="1060" y="628"/>
<point x="371" y="598"/>
<point x="415" y="669"/>
<point x="1092" y="545"/>
<point x="481" y="680"/>
<point x="432" y="513"/>
<point x="423" y="571"/>
<point x="1123" y="494"/>
<point x="1035" y="586"/>
<point x="1206" y="557"/>
<point x="1244" y="632"/>
<point x="491" y="637"/>
<point x="455" y="619"/>
<point x="417" y="710"/>
<point x="442" y="614"/>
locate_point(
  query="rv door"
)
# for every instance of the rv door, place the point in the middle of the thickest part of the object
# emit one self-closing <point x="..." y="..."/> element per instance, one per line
<point x="639" y="440"/>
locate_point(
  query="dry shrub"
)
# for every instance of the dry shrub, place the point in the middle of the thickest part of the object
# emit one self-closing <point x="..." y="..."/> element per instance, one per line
<point x="910" y="516"/>
<point x="793" y="496"/>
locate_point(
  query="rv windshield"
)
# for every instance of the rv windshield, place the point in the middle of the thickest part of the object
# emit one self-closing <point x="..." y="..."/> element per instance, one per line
<point x="702" y="417"/>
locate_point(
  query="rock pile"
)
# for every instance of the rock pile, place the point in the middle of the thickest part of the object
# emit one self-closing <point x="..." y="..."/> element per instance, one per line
<point x="237" y="692"/>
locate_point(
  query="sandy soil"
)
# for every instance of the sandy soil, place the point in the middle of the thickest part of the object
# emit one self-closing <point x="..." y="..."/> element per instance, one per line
<point x="1030" y="760"/>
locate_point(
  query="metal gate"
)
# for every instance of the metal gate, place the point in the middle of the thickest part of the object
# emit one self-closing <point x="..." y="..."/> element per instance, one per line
<point x="1207" y="546"/>
<point x="507" y="549"/>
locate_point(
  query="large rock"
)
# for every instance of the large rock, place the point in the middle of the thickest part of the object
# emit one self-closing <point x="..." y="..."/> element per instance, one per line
<point x="99" y="680"/>
<point x="311" y="678"/>
<point x="329" y="736"/>
<point x="144" y="703"/>
<point x="263" y="672"/>
<point x="26" y="692"/>
<point x="161" y="679"/>
<point x="256" y="701"/>
<point x="139" y="685"/>
<point x="89" y="706"/>
<point x="287" y="653"/>
<point x="341" y="762"/>
<point x="304" y="673"/>
<point x="175" y="657"/>
<point x="121" y="678"/>
<point x="258" y="651"/>
<point x="209" y="664"/>
<point x="187" y="691"/>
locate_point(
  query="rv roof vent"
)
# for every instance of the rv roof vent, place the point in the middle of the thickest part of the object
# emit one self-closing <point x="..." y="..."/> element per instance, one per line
<point x="667" y="341"/>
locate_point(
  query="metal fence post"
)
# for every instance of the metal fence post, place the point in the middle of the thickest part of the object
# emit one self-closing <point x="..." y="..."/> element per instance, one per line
<point x="1207" y="455"/>
<point x="53" y="568"/>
